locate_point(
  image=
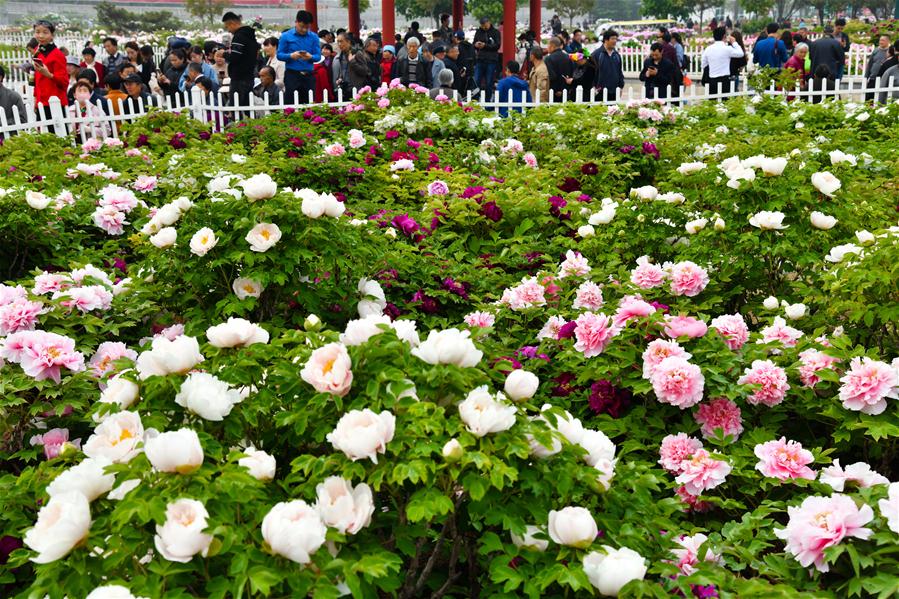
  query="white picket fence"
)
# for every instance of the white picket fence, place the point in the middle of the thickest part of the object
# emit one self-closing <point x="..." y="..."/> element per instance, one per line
<point x="215" y="111"/>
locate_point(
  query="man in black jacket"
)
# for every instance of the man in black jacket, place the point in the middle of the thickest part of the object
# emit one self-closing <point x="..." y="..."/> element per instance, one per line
<point x="657" y="73"/>
<point x="241" y="57"/>
<point x="413" y="68"/>
<point x="558" y="64"/>
<point x="827" y="51"/>
<point x="465" y="61"/>
<point x="487" y="44"/>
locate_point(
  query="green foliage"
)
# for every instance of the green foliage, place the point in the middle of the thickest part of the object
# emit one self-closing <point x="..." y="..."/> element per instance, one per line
<point x="120" y="19"/>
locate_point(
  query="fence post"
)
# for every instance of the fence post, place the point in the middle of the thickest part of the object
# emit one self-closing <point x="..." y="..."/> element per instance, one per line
<point x="196" y="104"/>
<point x="58" y="117"/>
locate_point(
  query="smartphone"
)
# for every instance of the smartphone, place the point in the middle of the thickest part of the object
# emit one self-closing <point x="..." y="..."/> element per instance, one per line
<point x="36" y="60"/>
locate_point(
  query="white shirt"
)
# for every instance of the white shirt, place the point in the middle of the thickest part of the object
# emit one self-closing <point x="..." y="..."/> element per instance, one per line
<point x="717" y="58"/>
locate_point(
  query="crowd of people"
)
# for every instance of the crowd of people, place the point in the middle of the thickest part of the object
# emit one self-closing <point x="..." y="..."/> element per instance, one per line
<point x="304" y="66"/>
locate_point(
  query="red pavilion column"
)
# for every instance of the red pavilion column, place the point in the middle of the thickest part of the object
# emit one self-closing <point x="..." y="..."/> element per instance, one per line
<point x="458" y="9"/>
<point x="535" y="18"/>
<point x="353" y="19"/>
<point x="388" y="21"/>
<point x="311" y="6"/>
<point x="508" y="32"/>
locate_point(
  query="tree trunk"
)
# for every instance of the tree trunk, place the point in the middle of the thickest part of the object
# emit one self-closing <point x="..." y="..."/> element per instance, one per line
<point x="821" y="14"/>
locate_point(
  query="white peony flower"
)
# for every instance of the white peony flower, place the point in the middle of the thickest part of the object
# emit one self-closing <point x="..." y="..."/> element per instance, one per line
<point x="598" y="447"/>
<point x="767" y="220"/>
<point x="840" y="157"/>
<point x="329" y="370"/>
<point x="236" y="332"/>
<point x="452" y="450"/>
<point x="111" y="591"/>
<point x="521" y="384"/>
<point x="610" y="570"/>
<point x="294" y="530"/>
<point x="123" y="489"/>
<point x="203" y="241"/>
<point x="166" y="237"/>
<point x="485" y="413"/>
<point x="260" y="464"/>
<point x="360" y="331"/>
<point x="450" y="346"/>
<point x="120" y="391"/>
<point x="244" y="288"/>
<point x="37" y="200"/>
<point x="174" y="451"/>
<point x="116" y="438"/>
<point x="695" y="226"/>
<point x="605" y="215"/>
<point x="572" y="526"/>
<point x="176" y="356"/>
<point x="88" y="478"/>
<point x="771" y="303"/>
<point x="719" y="224"/>
<point x="889" y="507"/>
<point x="688" y="168"/>
<point x="826" y="183"/>
<point x="773" y="167"/>
<point x="361" y="434"/>
<point x="343" y="507"/>
<point x="207" y="396"/>
<point x="263" y="236"/>
<point x="181" y="537"/>
<point x="61" y="524"/>
<point x="839" y="252"/>
<point x="864" y="237"/>
<point x="529" y="539"/>
<point x="647" y="192"/>
<point x="795" y="311"/>
<point x="259" y="187"/>
<point x="822" y="221"/>
<point x="586" y="231"/>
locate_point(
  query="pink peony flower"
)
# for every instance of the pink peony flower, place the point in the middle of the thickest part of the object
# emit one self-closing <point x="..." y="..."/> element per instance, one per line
<point x="784" y="460"/>
<point x="593" y="333"/>
<point x="772" y="381"/>
<point x="589" y="296"/>
<point x="48" y="283"/>
<point x="110" y="219"/>
<point x="720" y="417"/>
<point x="630" y="307"/>
<point x="859" y="473"/>
<point x="822" y="522"/>
<point x="9" y="294"/>
<point x="647" y="275"/>
<point x="108" y="352"/>
<point x="19" y="315"/>
<point x="732" y="328"/>
<point x="867" y="385"/>
<point x="438" y="188"/>
<point x="551" y="329"/>
<point x="702" y="472"/>
<point x="113" y="196"/>
<point x="687" y="278"/>
<point x="42" y="354"/>
<point x="675" y="449"/>
<point x="688" y="554"/>
<point x="329" y="370"/>
<point x="678" y="382"/>
<point x="530" y="160"/>
<point x="528" y="294"/>
<point x="91" y="145"/>
<point x="86" y="299"/>
<point x="54" y="441"/>
<point x="483" y="320"/>
<point x="692" y="501"/>
<point x="814" y="360"/>
<point x="335" y="149"/>
<point x="657" y="351"/>
<point x="780" y="331"/>
<point x="145" y="183"/>
<point x="574" y="265"/>
<point x="684" y="326"/>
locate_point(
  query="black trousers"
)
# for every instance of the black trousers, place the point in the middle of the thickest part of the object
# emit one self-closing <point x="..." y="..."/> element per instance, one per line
<point x="719" y="85"/>
<point x="243" y="88"/>
<point x="301" y="82"/>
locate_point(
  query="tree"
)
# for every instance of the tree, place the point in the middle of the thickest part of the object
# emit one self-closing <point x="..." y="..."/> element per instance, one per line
<point x="492" y="9"/>
<point x="424" y="8"/>
<point x="206" y="10"/>
<point x="624" y="10"/>
<point x="759" y="8"/>
<point x="570" y="8"/>
<point x="676" y="9"/>
<point x="363" y="5"/>
<point x="120" y="19"/>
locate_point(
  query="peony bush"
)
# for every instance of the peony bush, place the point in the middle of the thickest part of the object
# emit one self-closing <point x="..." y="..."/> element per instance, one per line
<point x="407" y="348"/>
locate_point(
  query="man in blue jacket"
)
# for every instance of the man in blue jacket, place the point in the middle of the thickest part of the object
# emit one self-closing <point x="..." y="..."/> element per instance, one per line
<point x="770" y="52"/>
<point x="299" y="49"/>
<point x="609" y="74"/>
<point x="512" y="86"/>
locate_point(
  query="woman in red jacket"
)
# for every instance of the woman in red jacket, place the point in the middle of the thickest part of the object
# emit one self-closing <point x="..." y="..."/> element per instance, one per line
<point x="50" y="76"/>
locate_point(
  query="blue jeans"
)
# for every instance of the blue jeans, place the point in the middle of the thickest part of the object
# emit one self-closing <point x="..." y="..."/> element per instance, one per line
<point x="840" y="68"/>
<point x="487" y="72"/>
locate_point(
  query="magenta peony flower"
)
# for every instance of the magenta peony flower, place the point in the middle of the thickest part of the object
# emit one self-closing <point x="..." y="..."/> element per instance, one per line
<point x="678" y="382"/>
<point x="814" y="360"/>
<point x="684" y="326"/>
<point x="784" y="460"/>
<point x="647" y="275"/>
<point x="702" y="472"/>
<point x="593" y="333"/>
<point x="822" y="522"/>
<point x="772" y="382"/>
<point x="631" y="307"/>
<point x="719" y="417"/>
<point x="687" y="278"/>
<point x="732" y="328"/>
<point x="492" y="211"/>
<point x="657" y="351"/>
<point x="605" y="398"/>
<point x="406" y="224"/>
<point x="867" y="385"/>
<point x="438" y="188"/>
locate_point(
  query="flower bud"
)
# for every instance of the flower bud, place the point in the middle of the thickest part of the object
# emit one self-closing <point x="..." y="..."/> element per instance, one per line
<point x="453" y="450"/>
<point x="312" y="323"/>
<point x="771" y="303"/>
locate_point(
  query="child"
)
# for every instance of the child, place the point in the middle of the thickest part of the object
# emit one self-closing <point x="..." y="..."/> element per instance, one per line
<point x="388" y="59"/>
<point x="90" y="117"/>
